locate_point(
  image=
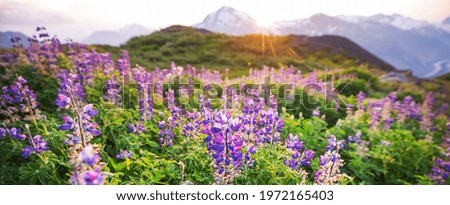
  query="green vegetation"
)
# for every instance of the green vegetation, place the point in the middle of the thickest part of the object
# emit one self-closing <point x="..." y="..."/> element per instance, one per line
<point x="185" y="45"/>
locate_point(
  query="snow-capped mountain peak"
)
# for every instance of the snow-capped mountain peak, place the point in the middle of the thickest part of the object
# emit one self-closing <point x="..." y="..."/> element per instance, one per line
<point x="229" y="20"/>
<point x="395" y="20"/>
<point x="401" y="22"/>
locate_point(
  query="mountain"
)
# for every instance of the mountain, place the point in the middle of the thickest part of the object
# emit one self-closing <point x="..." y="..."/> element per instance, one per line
<point x="116" y="38"/>
<point x="396" y="20"/>
<point x="446" y="21"/>
<point x="403" y="42"/>
<point x="5" y="39"/>
<point x="338" y="44"/>
<point x="446" y="24"/>
<point x="230" y="21"/>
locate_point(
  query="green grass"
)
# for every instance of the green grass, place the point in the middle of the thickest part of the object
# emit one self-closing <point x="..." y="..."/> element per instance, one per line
<point x="185" y="45"/>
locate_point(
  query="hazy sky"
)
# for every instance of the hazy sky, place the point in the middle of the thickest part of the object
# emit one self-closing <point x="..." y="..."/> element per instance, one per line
<point x="77" y="18"/>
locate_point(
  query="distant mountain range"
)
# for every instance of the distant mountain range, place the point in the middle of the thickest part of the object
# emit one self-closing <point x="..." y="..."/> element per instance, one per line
<point x="118" y="37"/>
<point x="104" y="37"/>
<point x="5" y="39"/>
<point x="405" y="43"/>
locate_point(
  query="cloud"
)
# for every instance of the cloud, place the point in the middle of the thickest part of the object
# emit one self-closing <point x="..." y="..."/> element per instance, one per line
<point x="30" y="14"/>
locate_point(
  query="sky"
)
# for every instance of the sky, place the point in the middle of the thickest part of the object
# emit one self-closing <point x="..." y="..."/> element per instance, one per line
<point x="78" y="18"/>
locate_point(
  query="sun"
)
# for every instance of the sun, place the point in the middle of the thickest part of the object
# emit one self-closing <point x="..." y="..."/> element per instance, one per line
<point x="264" y="21"/>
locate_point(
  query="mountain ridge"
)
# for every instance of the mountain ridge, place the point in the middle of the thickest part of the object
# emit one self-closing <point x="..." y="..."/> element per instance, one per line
<point x="403" y="42"/>
<point x="116" y="37"/>
<point x="5" y="39"/>
<point x="446" y="21"/>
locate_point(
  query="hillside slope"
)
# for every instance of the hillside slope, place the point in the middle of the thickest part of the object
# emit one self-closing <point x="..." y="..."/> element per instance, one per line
<point x="199" y="47"/>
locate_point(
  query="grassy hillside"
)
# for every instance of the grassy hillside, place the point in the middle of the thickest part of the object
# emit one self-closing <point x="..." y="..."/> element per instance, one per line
<point x="200" y="48"/>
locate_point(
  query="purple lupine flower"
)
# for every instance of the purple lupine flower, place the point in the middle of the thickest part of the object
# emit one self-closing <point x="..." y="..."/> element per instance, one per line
<point x="138" y="129"/>
<point x="21" y="80"/>
<point x="70" y="86"/>
<point x="299" y="156"/>
<point x="3" y="133"/>
<point x="443" y="108"/>
<point x="27" y="151"/>
<point x="161" y="124"/>
<point x="322" y="160"/>
<point x="331" y="143"/>
<point x="123" y="64"/>
<point x="349" y="109"/>
<point x="16" y="42"/>
<point x="358" y="136"/>
<point x="385" y="143"/>
<point x="235" y="124"/>
<point x="62" y="101"/>
<point x="192" y="124"/>
<point x="387" y="123"/>
<point x="72" y="140"/>
<point x="68" y="123"/>
<point x="230" y="151"/>
<point x="351" y="139"/>
<point x="131" y="128"/>
<point x="39" y="145"/>
<point x="123" y="154"/>
<point x="330" y="163"/>
<point x="360" y="99"/>
<point x="280" y="124"/>
<point x="406" y="109"/>
<point x="15" y="132"/>
<point x="89" y="156"/>
<point x="86" y="125"/>
<point x="175" y="111"/>
<point x="267" y="129"/>
<point x="308" y="156"/>
<point x="7" y="57"/>
<point x="88" y="109"/>
<point x="165" y="135"/>
<point x="235" y="150"/>
<point x="361" y="145"/>
<point x="95" y="132"/>
<point x="375" y="118"/>
<point x="252" y="149"/>
<point x="440" y="172"/>
<point x="112" y="90"/>
<point x="18" y="99"/>
<point x="144" y="80"/>
<point x="216" y="128"/>
<point x="316" y="112"/>
<point x="94" y="177"/>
